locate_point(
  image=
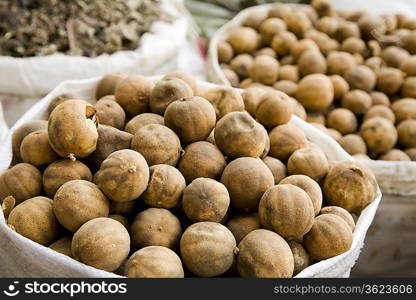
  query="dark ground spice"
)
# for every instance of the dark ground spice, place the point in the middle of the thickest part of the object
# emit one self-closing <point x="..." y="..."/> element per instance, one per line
<point x="75" y="27"/>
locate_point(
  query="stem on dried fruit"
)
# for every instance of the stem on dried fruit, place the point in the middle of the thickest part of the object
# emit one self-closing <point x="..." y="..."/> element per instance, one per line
<point x="236" y="250"/>
<point x="132" y="169"/>
<point x="357" y="170"/>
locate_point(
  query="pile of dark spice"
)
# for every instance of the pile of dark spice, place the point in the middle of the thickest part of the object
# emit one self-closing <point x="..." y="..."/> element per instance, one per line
<point x="77" y="27"/>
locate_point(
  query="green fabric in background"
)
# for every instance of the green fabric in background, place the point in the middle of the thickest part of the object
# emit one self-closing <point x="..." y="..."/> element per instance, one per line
<point x="212" y="14"/>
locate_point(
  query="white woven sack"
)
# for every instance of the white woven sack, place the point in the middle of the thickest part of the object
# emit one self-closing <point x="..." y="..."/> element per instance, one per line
<point x="4" y="129"/>
<point x="22" y="257"/>
<point x="35" y="76"/>
<point x="396" y="178"/>
<point x="379" y="6"/>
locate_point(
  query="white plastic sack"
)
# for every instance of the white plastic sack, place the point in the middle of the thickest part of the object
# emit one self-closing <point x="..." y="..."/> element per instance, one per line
<point x="24" y="258"/>
<point x="397" y="178"/>
<point x="379" y="6"/>
<point x="3" y="126"/>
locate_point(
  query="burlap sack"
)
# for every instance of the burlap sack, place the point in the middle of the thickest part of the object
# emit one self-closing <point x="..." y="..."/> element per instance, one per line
<point x="22" y="257"/>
